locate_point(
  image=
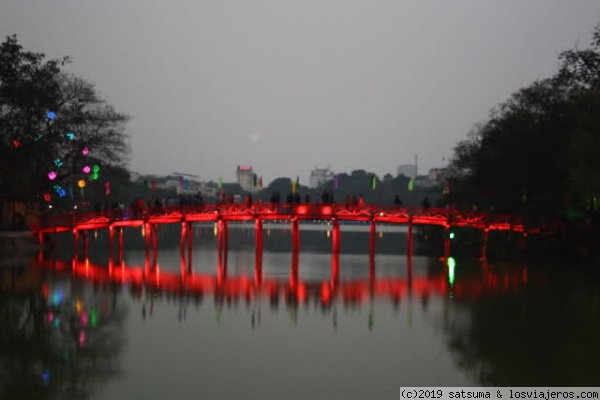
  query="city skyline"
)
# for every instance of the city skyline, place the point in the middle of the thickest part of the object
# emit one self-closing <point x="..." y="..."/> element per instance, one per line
<point x="285" y="87"/>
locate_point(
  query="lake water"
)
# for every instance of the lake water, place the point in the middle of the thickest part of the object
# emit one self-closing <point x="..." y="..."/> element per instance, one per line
<point x="307" y="327"/>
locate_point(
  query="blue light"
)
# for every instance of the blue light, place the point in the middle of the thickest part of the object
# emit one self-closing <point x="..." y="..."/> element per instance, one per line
<point x="46" y="377"/>
<point x="57" y="298"/>
<point x="70" y="135"/>
<point x="51" y="115"/>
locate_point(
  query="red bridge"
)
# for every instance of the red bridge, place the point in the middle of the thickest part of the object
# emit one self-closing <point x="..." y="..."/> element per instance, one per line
<point x="221" y="214"/>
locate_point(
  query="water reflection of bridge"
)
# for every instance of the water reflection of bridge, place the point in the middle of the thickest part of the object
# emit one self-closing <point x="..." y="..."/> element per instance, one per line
<point x="294" y="289"/>
<point x="222" y="214"/>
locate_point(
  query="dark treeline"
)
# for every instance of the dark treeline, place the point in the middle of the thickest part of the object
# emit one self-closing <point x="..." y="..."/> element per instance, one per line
<point x="537" y="154"/>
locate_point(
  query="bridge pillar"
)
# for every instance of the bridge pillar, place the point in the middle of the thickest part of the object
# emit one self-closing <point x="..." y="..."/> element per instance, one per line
<point x="335" y="270"/>
<point x="147" y="238"/>
<point x="221" y="252"/>
<point x="484" y="243"/>
<point x="222" y="244"/>
<point x="190" y="236"/>
<point x="335" y="237"/>
<point x="187" y="238"/>
<point x="154" y="245"/>
<point x="75" y="245"/>
<point x="409" y="274"/>
<point x="120" y="251"/>
<point x="372" y="271"/>
<point x="295" y="235"/>
<point x="111" y="239"/>
<point x="294" y="271"/>
<point x="258" y="250"/>
<point x="86" y="242"/>
<point x="111" y="266"/>
<point x="446" y="241"/>
<point x="183" y="239"/>
<point x="372" y="236"/>
<point x="146" y="265"/>
<point x="409" y="238"/>
<point x="225" y="241"/>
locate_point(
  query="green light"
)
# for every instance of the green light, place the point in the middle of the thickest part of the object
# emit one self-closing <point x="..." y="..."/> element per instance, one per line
<point x="93" y="319"/>
<point x="451" y="235"/>
<point x="96" y="168"/>
<point x="451" y="265"/>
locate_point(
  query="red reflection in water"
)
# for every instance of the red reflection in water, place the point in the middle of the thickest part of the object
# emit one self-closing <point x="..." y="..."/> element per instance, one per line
<point x="294" y="288"/>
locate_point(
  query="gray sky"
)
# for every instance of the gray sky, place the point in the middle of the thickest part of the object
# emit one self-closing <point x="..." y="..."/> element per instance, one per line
<point x="288" y="85"/>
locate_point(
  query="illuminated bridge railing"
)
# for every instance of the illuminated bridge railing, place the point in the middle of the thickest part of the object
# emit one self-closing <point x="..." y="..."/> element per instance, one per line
<point x="273" y="212"/>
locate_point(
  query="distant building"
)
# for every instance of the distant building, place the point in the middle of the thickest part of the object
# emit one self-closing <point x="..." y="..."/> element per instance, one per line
<point x="246" y="178"/>
<point x="319" y="176"/>
<point x="437" y="174"/>
<point x="435" y="177"/>
<point x="408" y="170"/>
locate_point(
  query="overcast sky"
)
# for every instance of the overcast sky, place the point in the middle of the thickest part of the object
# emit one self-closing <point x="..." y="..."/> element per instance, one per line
<point x="285" y="86"/>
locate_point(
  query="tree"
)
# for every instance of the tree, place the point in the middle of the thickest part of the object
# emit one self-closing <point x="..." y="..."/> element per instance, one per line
<point x="535" y="153"/>
<point x="52" y="125"/>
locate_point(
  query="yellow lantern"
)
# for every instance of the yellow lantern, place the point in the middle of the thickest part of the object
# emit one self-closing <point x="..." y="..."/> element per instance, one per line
<point x="81" y="183"/>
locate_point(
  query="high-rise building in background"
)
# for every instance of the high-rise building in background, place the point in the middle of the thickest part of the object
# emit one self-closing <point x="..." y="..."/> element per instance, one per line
<point x="319" y="176"/>
<point x="246" y="178"/>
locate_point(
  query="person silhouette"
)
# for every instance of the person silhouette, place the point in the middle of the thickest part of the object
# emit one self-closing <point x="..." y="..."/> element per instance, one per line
<point x="425" y="203"/>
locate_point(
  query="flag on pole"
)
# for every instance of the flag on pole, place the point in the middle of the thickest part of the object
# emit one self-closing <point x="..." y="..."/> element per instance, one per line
<point x="373" y="182"/>
<point x="220" y="182"/>
<point x="411" y="185"/>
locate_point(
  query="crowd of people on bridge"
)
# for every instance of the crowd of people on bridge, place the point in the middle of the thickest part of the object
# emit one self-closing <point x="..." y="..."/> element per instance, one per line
<point x="159" y="205"/>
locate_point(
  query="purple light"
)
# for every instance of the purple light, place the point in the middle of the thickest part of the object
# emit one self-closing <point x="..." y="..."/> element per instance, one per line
<point x="52" y="175"/>
<point x="86" y="169"/>
<point x="85" y="151"/>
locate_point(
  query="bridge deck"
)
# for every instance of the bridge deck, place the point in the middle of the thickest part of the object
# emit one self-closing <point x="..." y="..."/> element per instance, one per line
<point x="278" y="212"/>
